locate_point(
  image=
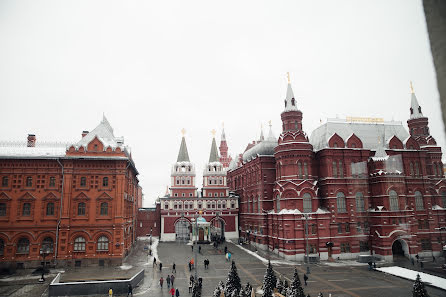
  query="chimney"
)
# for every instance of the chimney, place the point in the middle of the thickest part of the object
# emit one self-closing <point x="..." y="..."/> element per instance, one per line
<point x="84" y="133"/>
<point x="31" y="140"/>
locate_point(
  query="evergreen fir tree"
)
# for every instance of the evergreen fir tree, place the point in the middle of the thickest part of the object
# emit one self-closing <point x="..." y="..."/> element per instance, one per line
<point x="285" y="285"/>
<point x="220" y="288"/>
<point x="418" y="288"/>
<point x="242" y="293"/>
<point x="233" y="281"/>
<point x="295" y="289"/>
<point x="320" y="295"/>
<point x="269" y="281"/>
<point x="279" y="286"/>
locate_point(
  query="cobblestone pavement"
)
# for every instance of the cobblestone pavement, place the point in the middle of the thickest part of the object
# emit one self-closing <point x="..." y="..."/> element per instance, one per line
<point x="336" y="278"/>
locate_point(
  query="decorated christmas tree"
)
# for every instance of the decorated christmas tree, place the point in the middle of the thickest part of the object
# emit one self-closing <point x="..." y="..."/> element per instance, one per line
<point x="233" y="281"/>
<point x="320" y="295"/>
<point x="242" y="293"/>
<point x="295" y="289"/>
<point x="269" y="281"/>
<point x="418" y="288"/>
<point x="220" y="288"/>
<point x="248" y="289"/>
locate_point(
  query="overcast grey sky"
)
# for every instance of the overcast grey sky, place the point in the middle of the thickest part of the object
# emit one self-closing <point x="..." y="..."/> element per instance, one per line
<point x="155" y="67"/>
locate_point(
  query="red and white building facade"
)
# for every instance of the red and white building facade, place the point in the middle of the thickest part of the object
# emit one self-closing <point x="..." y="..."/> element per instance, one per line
<point x="215" y="208"/>
<point x="361" y="188"/>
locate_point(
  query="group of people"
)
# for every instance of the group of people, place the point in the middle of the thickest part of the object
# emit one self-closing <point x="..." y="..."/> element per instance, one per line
<point x="170" y="280"/>
<point x="206" y="263"/>
<point x="129" y="291"/>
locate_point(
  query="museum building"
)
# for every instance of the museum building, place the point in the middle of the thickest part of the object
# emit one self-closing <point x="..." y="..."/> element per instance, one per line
<point x="355" y="187"/>
<point x="70" y="204"/>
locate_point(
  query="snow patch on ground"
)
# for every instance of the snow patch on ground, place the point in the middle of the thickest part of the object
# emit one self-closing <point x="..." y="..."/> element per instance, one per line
<point x="126" y="267"/>
<point x="277" y="262"/>
<point x="341" y="263"/>
<point x="433" y="280"/>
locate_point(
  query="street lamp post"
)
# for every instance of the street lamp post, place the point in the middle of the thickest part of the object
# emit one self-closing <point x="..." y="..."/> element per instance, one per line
<point x="306" y="217"/>
<point x="44" y="251"/>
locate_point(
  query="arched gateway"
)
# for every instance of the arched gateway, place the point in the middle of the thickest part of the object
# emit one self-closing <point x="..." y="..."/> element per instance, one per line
<point x="182" y="229"/>
<point x="400" y="248"/>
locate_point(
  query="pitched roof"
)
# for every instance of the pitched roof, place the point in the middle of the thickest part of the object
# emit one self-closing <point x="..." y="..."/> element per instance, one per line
<point x="213" y="157"/>
<point x="289" y="106"/>
<point x="104" y="132"/>
<point x="183" y="156"/>
<point x="369" y="133"/>
<point x="415" y="107"/>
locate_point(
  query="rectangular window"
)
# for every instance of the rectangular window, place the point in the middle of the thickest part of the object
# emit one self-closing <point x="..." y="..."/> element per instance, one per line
<point x="358" y="227"/>
<point x="339" y="227"/>
<point x="26" y="211"/>
<point x="363" y="246"/>
<point x="341" y="169"/>
<point x="345" y="247"/>
<point x="347" y="227"/>
<point x="2" y="209"/>
<point x="426" y="245"/>
<point x="52" y="181"/>
<point x="335" y="169"/>
<point x="313" y="228"/>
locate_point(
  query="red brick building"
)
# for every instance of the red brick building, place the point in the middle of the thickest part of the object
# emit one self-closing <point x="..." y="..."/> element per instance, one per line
<point x="76" y="201"/>
<point x="216" y="208"/>
<point x="148" y="221"/>
<point x="362" y="186"/>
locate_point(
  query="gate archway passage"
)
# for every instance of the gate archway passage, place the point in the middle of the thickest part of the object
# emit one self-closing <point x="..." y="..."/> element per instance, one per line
<point x="182" y="229"/>
<point x="217" y="227"/>
<point x="400" y="248"/>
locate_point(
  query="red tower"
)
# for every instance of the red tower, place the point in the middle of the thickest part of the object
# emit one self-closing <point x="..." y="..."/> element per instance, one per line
<point x="224" y="158"/>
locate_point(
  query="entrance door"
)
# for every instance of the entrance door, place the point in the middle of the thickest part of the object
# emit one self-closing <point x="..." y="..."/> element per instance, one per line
<point x="201" y="234"/>
<point x="397" y="249"/>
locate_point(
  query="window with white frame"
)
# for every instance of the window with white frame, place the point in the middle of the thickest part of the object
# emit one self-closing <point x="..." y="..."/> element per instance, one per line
<point x="79" y="244"/>
<point x="340" y="201"/>
<point x="419" y="201"/>
<point x="307" y="203"/>
<point x="393" y="199"/>
<point x="359" y="202"/>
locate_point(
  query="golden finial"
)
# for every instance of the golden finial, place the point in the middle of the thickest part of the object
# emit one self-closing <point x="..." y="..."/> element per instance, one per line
<point x="183" y="131"/>
<point x="411" y="88"/>
<point x="288" y="74"/>
<point x="213" y="132"/>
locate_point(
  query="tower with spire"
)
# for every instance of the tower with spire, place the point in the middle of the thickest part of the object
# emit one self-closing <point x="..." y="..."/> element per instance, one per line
<point x="224" y="158"/>
<point x="214" y="174"/>
<point x="183" y="174"/>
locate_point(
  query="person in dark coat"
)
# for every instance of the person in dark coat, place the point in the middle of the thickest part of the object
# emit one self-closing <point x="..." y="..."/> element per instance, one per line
<point x="305" y="279"/>
<point x="130" y="290"/>
<point x="412" y="260"/>
<point x="226" y="249"/>
<point x="161" y="282"/>
<point x="154" y="261"/>
<point x="421" y="265"/>
<point x="174" y="268"/>
<point x="161" y="266"/>
<point x="177" y="293"/>
<point x="168" y="281"/>
<point x="172" y="278"/>
<point x="199" y="249"/>
<point x="190" y="266"/>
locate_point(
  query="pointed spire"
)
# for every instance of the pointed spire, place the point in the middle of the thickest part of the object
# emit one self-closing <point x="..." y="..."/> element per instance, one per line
<point x="223" y="136"/>
<point x="271" y="136"/>
<point x="262" y="138"/>
<point x="183" y="156"/>
<point x="213" y="157"/>
<point x="106" y="123"/>
<point x="415" y="108"/>
<point x="290" y="101"/>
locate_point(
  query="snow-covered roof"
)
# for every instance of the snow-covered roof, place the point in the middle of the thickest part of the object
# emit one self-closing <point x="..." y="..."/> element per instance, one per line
<point x="104" y="132"/>
<point x="213" y="157"/>
<point x="263" y="148"/>
<point x="416" y="109"/>
<point x="290" y="101"/>
<point x="369" y="133"/>
<point x="183" y="156"/>
<point x="40" y="150"/>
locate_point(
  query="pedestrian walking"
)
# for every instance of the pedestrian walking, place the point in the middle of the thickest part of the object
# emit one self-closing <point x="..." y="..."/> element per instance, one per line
<point x="174" y="269"/>
<point x="191" y="282"/>
<point x="370" y="265"/>
<point x="172" y="292"/>
<point x="172" y="278"/>
<point x="412" y="260"/>
<point x="192" y="247"/>
<point x="177" y="293"/>
<point x="154" y="261"/>
<point x="191" y="278"/>
<point x="161" y="266"/>
<point x="168" y="281"/>
<point x="305" y="279"/>
<point x="161" y="282"/>
<point x="418" y="258"/>
<point x="229" y="257"/>
<point x="199" y="249"/>
<point x="204" y="263"/>
<point x="421" y="265"/>
<point x="110" y="292"/>
<point x="433" y="258"/>
<point x="190" y="266"/>
<point x="130" y="290"/>
<point x="226" y="249"/>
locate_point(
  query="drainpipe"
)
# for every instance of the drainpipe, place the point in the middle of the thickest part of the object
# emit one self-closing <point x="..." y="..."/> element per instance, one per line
<point x="60" y="215"/>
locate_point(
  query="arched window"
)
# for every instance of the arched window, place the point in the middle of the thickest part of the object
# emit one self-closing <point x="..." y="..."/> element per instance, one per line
<point x="26" y="209"/>
<point x="417" y="169"/>
<point x="299" y="169"/>
<point x="105" y="182"/>
<point x="48" y="244"/>
<point x="52" y="181"/>
<point x="412" y="173"/>
<point x="50" y="209"/>
<point x="306" y="169"/>
<point x="278" y="202"/>
<point x="335" y="169"/>
<point x="5" y="181"/>
<point x="83" y="181"/>
<point x="79" y="244"/>
<point x="2" y="247"/>
<point x="307" y="203"/>
<point x="2" y="209"/>
<point x="440" y="169"/>
<point x="359" y="202"/>
<point x="340" y="201"/>
<point x="419" y="205"/>
<point x="103" y="243"/>
<point x="81" y="209"/>
<point x="341" y="169"/>
<point x="393" y="199"/>
<point x="104" y="209"/>
<point x="23" y="246"/>
<point x="29" y="181"/>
